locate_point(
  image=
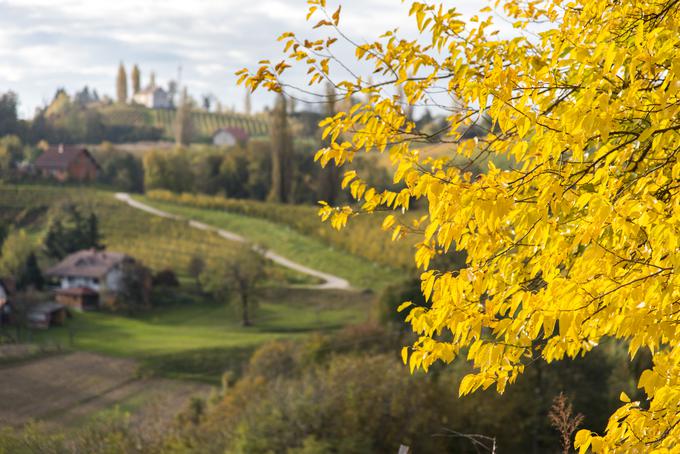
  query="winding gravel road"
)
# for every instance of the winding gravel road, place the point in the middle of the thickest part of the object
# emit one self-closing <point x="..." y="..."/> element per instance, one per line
<point x="330" y="281"/>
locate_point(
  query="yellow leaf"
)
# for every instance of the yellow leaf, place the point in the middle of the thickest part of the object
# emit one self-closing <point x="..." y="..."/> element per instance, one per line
<point x="404" y="305"/>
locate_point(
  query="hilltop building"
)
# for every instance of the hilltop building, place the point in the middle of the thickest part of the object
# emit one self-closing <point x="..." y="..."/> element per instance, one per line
<point x="153" y="98"/>
<point x="66" y="163"/>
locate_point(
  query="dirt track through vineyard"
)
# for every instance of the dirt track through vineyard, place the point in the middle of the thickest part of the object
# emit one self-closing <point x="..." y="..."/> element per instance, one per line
<point x="330" y="281"/>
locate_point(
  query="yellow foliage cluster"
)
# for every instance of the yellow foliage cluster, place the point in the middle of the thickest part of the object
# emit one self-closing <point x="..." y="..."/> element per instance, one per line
<point x="579" y="241"/>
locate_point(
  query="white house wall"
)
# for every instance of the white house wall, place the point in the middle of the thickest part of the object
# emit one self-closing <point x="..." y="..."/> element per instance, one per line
<point x="224" y="138"/>
<point x="74" y="282"/>
<point x="114" y="280"/>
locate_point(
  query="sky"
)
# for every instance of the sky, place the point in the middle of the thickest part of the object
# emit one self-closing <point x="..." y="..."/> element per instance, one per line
<point x="51" y="44"/>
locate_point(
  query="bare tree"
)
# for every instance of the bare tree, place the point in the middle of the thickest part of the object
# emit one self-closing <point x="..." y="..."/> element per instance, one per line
<point x="562" y="419"/>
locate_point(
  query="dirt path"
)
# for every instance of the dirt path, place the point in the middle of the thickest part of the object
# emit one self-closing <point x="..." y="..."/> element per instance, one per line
<point x="63" y="389"/>
<point x="330" y="281"/>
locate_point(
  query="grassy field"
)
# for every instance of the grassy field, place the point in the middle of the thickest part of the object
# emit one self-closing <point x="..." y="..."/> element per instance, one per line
<point x="201" y="340"/>
<point x="285" y="232"/>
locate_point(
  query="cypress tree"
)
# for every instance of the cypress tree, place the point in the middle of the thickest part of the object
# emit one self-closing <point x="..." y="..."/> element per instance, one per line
<point x="281" y="148"/>
<point x="31" y="275"/>
<point x="330" y="175"/>
<point x="183" y="123"/>
<point x="92" y="229"/>
<point x="121" y="85"/>
<point x="135" y="76"/>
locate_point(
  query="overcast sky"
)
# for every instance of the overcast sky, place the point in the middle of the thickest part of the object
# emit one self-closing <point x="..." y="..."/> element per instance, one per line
<point x="47" y="44"/>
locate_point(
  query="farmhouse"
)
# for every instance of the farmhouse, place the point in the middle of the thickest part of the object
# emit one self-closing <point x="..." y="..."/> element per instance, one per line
<point x="90" y="268"/>
<point x="227" y="137"/>
<point x="67" y="163"/>
<point x="87" y="275"/>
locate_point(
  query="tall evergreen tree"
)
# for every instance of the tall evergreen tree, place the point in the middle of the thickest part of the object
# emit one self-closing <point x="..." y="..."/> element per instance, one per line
<point x="121" y="85"/>
<point x="135" y="76"/>
<point x="330" y="175"/>
<point x="183" y="123"/>
<point x="30" y="275"/>
<point x="281" y="148"/>
<point x="69" y="231"/>
<point x="9" y="120"/>
<point x="92" y="236"/>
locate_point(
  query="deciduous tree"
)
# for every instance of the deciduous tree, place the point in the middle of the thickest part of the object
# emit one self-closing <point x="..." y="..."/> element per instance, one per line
<point x="573" y="243"/>
<point x="239" y="276"/>
<point x="14" y="255"/>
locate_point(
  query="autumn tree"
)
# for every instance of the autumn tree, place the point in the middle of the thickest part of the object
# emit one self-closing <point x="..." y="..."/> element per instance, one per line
<point x="135" y="76"/>
<point x="121" y="85"/>
<point x="239" y="276"/>
<point x="572" y="243"/>
<point x="281" y="147"/>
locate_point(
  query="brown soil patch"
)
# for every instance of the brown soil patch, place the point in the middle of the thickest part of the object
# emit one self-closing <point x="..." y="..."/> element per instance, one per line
<point x="62" y="390"/>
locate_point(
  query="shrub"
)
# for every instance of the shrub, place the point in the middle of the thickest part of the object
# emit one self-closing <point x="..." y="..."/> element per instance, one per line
<point x="166" y="278"/>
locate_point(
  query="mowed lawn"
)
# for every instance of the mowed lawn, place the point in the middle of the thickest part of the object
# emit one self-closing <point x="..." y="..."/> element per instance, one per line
<point x="291" y="244"/>
<point x="201" y="340"/>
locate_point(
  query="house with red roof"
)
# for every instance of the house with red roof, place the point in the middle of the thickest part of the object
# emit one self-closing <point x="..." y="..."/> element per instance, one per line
<point x="67" y="163"/>
<point x="227" y="137"/>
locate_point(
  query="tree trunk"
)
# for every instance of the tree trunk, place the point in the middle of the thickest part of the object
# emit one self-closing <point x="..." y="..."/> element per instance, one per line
<point x="244" y="303"/>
